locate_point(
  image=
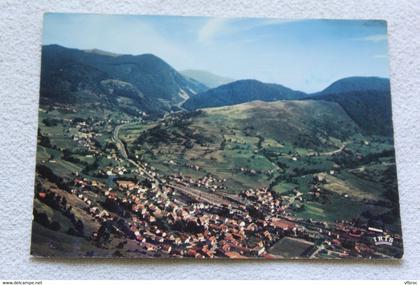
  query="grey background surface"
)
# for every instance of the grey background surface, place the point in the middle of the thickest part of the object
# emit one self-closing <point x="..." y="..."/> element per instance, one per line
<point x="20" y="40"/>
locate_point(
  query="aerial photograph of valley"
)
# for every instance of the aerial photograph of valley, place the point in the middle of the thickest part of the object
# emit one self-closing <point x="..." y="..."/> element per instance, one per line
<point x="198" y="137"/>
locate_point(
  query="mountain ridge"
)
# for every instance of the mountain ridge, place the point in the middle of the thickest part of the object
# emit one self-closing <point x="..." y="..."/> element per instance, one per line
<point x="356" y="83"/>
<point x="241" y="91"/>
<point x="73" y="76"/>
<point x="367" y="100"/>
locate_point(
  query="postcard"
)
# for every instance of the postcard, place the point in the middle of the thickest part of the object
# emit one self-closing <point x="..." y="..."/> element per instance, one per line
<point x="199" y="137"/>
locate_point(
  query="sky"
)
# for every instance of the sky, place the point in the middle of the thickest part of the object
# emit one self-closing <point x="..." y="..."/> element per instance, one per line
<point x="305" y="55"/>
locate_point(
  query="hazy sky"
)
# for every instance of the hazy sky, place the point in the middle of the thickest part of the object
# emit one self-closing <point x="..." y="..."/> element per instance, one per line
<point x="306" y="55"/>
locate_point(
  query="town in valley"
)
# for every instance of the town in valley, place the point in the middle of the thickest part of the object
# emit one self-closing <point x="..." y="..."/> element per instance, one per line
<point x="136" y="159"/>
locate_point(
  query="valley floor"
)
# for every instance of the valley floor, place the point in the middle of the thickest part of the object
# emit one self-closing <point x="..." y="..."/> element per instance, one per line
<point x="204" y="185"/>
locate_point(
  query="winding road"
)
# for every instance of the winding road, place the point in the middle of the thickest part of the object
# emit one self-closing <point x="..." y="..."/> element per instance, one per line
<point x="334" y="151"/>
<point x="118" y="142"/>
<point x="123" y="152"/>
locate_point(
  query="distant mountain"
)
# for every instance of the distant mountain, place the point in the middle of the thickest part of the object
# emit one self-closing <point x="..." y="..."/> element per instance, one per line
<point x="207" y="78"/>
<point x="241" y="91"/>
<point x="367" y="100"/>
<point x="101" y="52"/>
<point x="77" y="76"/>
<point x="356" y="83"/>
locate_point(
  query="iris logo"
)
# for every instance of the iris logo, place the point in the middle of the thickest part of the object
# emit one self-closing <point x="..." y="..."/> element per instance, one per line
<point x="383" y="240"/>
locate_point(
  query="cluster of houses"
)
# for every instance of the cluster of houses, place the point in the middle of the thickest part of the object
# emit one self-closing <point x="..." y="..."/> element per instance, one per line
<point x="85" y="137"/>
<point x="316" y="188"/>
<point x="165" y="221"/>
<point x="195" y="229"/>
<point x="116" y="170"/>
<point x="207" y="182"/>
<point x="247" y="171"/>
<point x="161" y="219"/>
<point x="252" y="172"/>
<point x="264" y="200"/>
<point x="83" y="189"/>
<point x="192" y="166"/>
